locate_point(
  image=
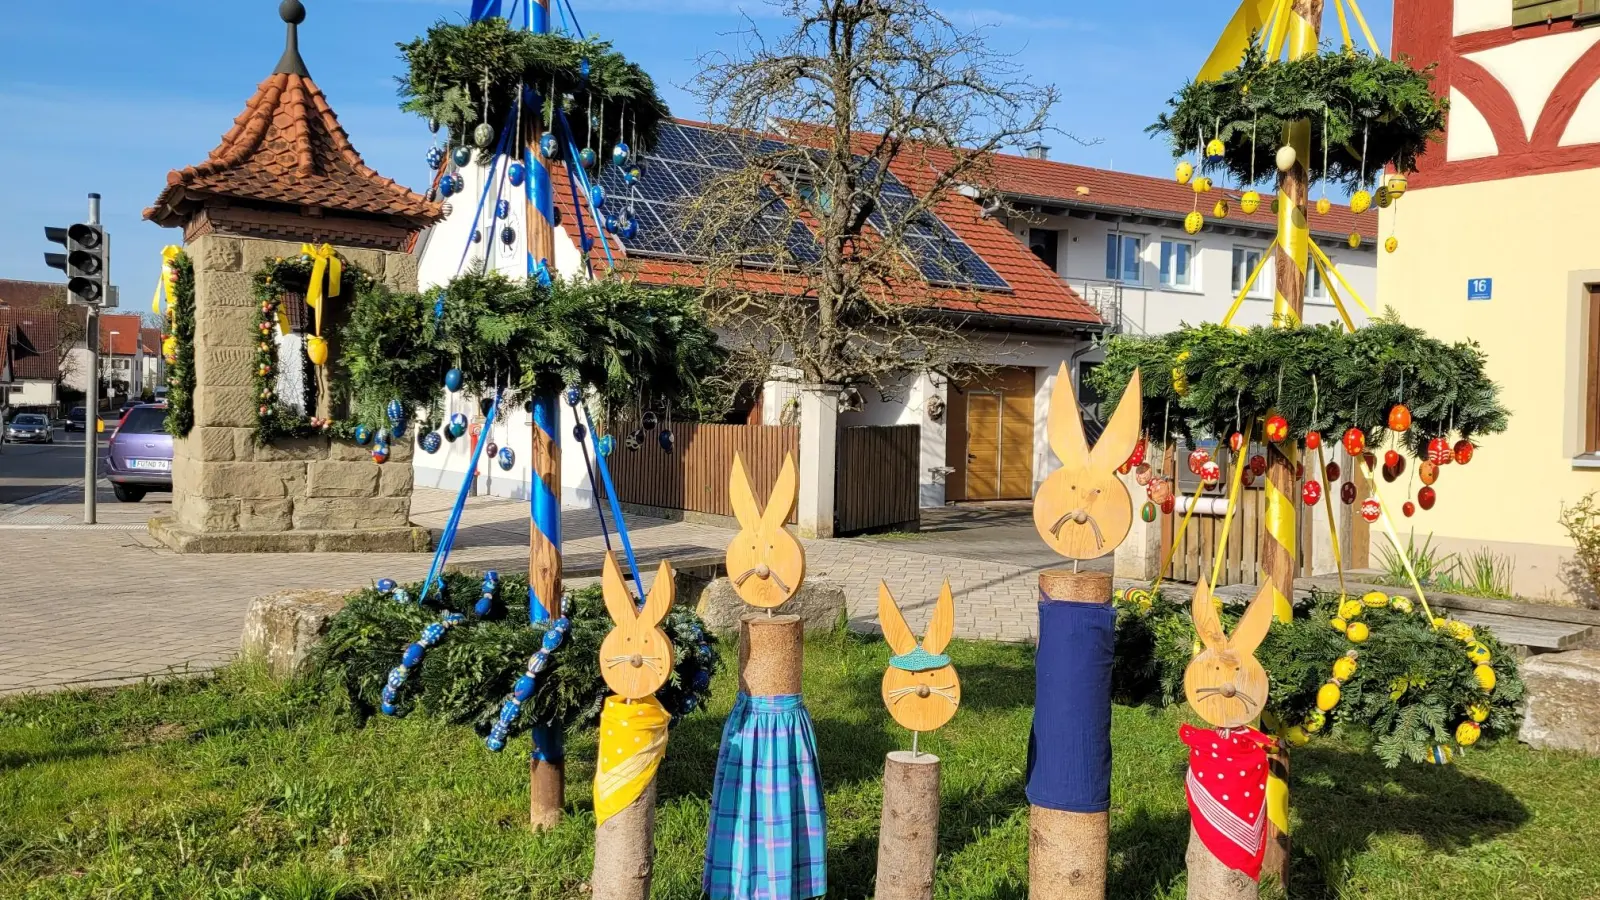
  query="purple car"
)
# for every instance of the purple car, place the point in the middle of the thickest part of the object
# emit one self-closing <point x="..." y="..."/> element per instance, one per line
<point x="139" y="456"/>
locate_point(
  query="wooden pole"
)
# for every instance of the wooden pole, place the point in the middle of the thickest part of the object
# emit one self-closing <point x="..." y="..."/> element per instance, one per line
<point x="626" y="844"/>
<point x="1278" y="540"/>
<point x="546" y="767"/>
<point x="1067" y="850"/>
<point x="771" y="654"/>
<point x="908" y="832"/>
<point x="1209" y="879"/>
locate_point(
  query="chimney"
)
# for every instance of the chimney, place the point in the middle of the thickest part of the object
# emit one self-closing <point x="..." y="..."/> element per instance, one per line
<point x="1036" y="151"/>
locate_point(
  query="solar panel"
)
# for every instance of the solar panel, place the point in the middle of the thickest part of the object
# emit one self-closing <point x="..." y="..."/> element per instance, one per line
<point x="686" y="157"/>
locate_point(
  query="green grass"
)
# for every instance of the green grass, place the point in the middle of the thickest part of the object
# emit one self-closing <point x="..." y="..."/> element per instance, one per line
<point x="235" y="787"/>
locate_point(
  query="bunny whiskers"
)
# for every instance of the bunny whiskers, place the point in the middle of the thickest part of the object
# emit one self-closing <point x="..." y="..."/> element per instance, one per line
<point x="1080" y="516"/>
<point x="653" y="662"/>
<point x="923" y="690"/>
<point x="762" y="571"/>
<point x="1226" y="691"/>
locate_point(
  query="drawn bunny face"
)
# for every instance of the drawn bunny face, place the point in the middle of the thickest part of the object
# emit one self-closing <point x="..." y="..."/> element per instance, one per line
<point x="1224" y="683"/>
<point x="636" y="656"/>
<point x="1082" y="511"/>
<point x="920" y="687"/>
<point x="765" y="562"/>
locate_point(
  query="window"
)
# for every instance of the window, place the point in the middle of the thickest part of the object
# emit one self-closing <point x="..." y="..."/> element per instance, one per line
<point x="1123" y="262"/>
<point x="1538" y="12"/>
<point x="1045" y="244"/>
<point x="1315" y="289"/>
<point x="1245" y="260"/>
<point x="1591" y="414"/>
<point x="145" y="420"/>
<point x="1177" y="264"/>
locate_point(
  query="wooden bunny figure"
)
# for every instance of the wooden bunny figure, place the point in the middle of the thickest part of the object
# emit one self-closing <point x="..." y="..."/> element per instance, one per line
<point x="765" y="562"/>
<point x="636" y="656"/>
<point x="1227" y="780"/>
<point x="1082" y="510"/>
<point x="920" y="687"/>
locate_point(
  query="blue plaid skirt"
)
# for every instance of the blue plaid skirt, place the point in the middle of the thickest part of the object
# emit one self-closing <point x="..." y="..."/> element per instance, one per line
<point x="768" y="834"/>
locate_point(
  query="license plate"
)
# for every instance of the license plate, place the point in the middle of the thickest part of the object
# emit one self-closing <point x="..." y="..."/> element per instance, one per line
<point x="161" y="465"/>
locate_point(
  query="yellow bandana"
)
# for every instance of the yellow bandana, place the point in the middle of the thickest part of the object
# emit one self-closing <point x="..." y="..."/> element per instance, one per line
<point x="633" y="739"/>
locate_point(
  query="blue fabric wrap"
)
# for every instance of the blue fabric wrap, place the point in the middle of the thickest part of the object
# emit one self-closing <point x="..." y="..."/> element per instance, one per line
<point x="549" y="743"/>
<point x="483" y="9"/>
<point x="1069" y="750"/>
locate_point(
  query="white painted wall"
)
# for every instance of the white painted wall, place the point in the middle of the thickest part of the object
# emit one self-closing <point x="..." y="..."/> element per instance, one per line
<point x="1148" y="307"/>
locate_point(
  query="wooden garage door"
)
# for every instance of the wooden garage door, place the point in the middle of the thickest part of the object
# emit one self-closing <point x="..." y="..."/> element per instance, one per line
<point x="998" y="461"/>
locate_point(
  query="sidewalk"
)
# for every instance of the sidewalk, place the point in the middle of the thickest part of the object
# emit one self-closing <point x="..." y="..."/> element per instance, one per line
<point x="102" y="604"/>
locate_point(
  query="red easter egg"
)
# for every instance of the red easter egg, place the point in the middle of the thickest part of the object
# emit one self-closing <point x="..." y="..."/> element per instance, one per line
<point x="1277" y="428"/>
<point x="1210" y="472"/>
<point x="1138" y="452"/>
<point x="1313" y="440"/>
<point x="1333" y="471"/>
<point x="1236" y="441"/>
<point x="1408" y="508"/>
<point x="1168" y="505"/>
<point x="1311" y="492"/>
<point x="1439" y="452"/>
<point x="1426" y="498"/>
<point x="1428" y="472"/>
<point x="1369" y="509"/>
<point x="1347" y="492"/>
<point x="1463" y="451"/>
<point x="1354" y="441"/>
<point x="1258" y="464"/>
<point x="1199" y="457"/>
<point x="1247" y="477"/>
<point x="1399" y="418"/>
<point x="1391" y="459"/>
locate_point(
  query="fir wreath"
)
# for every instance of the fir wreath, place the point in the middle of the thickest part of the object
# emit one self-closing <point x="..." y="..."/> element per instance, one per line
<point x="180" y="371"/>
<point x="1412" y="688"/>
<point x="464" y="75"/>
<point x="1367" y="111"/>
<point x="466" y="676"/>
<point x="1318" y="377"/>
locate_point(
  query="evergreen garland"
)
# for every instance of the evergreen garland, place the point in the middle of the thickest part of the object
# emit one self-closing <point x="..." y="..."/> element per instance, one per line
<point x="180" y="369"/>
<point x="464" y="679"/>
<point x="462" y="75"/>
<point x="1413" y="684"/>
<point x="1357" y="105"/>
<point x="1318" y="377"/>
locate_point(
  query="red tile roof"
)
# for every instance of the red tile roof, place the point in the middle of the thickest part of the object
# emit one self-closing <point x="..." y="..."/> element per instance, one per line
<point x="288" y="147"/>
<point x="127" y="328"/>
<point x="1081" y="186"/>
<point x="1036" y="291"/>
<point x="27" y="308"/>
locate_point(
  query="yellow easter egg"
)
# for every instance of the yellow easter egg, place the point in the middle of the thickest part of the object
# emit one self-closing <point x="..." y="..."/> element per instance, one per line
<point x="1327" y="696"/>
<point x="1478" y="712"/>
<point x="1350" y="609"/>
<point x="1338" y="623"/>
<point x="1220" y="210"/>
<point x="1485" y="676"/>
<point x="1375" y="599"/>
<point x="1316" y="721"/>
<point x="1354" y="240"/>
<point x="1391" y="244"/>
<point x="1201" y="184"/>
<point x="1323" y="205"/>
<point x="1396" y="186"/>
<point x="1193" y="222"/>
<point x="1343" y="668"/>
<point x="1250" y="202"/>
<point x="1214" y="149"/>
<point x="1357" y="632"/>
<point x="1360" y="202"/>
<point x="1401" y="604"/>
<point x="1467" y="733"/>
<point x="1438" y="621"/>
<point x="1461" y="631"/>
<point x="1440" y="755"/>
<point x="1477" y="652"/>
<point x="1384" y="198"/>
<point x="317" y="350"/>
<point x="1297" y="736"/>
<point x="1184" y="172"/>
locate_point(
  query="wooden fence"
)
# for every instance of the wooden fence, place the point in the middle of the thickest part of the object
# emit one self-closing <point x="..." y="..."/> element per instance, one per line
<point x="877" y="481"/>
<point x="694" y="476"/>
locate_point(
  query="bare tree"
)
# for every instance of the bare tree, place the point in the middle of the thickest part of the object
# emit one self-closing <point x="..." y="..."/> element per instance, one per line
<point x="858" y="126"/>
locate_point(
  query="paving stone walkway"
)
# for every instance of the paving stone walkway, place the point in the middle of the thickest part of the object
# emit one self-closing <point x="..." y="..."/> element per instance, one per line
<point x="105" y="604"/>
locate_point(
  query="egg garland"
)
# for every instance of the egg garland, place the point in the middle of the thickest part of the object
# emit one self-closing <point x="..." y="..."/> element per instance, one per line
<point x="491" y="587"/>
<point x="522" y="690"/>
<point x="412" y="658"/>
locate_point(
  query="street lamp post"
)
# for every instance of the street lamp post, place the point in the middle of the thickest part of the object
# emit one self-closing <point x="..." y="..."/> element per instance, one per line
<point x="111" y="370"/>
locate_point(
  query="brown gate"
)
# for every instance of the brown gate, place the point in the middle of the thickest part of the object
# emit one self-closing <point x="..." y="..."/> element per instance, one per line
<point x="694" y="476"/>
<point x="877" y="478"/>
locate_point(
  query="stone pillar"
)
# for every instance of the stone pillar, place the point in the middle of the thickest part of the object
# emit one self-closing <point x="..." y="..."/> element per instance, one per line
<point x="230" y="495"/>
<point x="819" y="455"/>
<point x="1139" y="556"/>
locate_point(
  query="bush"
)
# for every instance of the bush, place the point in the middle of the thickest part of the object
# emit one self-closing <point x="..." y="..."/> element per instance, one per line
<point x="1582" y="521"/>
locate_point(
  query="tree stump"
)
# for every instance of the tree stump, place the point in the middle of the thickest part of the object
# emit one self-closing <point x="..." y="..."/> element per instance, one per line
<point x="771" y="654"/>
<point x="626" y="843"/>
<point x="1209" y="879"/>
<point x="908" y="832"/>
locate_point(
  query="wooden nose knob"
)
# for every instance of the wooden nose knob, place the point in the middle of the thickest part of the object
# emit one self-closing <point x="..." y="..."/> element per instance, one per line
<point x="922" y="690"/>
<point x="636" y="660"/>
<point x="763" y="570"/>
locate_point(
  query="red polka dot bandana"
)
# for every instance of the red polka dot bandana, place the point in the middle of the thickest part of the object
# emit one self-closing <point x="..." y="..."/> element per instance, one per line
<point x="1227" y="790"/>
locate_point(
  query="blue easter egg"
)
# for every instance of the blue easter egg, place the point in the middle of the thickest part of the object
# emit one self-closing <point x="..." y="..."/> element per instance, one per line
<point x="502" y="208"/>
<point x="432" y="633"/>
<point x="447" y="186"/>
<point x="517" y="173"/>
<point x="495" y="743"/>
<point x="540" y="661"/>
<point x="389" y="709"/>
<point x="549" y="148"/>
<point x="597" y="195"/>
<point x="583" y="67"/>
<point x="363" y="435"/>
<point x="627" y="232"/>
<point x="401" y="595"/>
<point x="611" y="224"/>
<point x="397" y="677"/>
<point x="607" y="444"/>
<point x="507" y="458"/>
<point x="523" y="689"/>
<point x="462" y="155"/>
<point x="573" y="394"/>
<point x="552" y="639"/>
<point x="508" y="236"/>
<point x="484" y="605"/>
<point x="477" y="235"/>
<point x="413" y="654"/>
<point x="491" y="577"/>
<point x="458" y="424"/>
<point x="431" y="442"/>
<point x="508" y="714"/>
<point x="435" y="157"/>
<point x="452" y="380"/>
<point x="587" y="158"/>
<point x="385" y="585"/>
<point x="665" y="440"/>
<point x="620" y="153"/>
<point x="587" y="242"/>
<point x="702" y="680"/>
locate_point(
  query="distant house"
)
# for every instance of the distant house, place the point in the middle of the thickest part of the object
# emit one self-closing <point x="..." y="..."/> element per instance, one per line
<point x="31" y="337"/>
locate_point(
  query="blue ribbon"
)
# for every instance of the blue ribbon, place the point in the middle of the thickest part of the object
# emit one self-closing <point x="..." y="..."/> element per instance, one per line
<point x="575" y="171"/>
<point x="494" y="165"/>
<point x="544" y="506"/>
<point x="616" y="506"/>
<point x="484" y="9"/>
<point x="449" y="536"/>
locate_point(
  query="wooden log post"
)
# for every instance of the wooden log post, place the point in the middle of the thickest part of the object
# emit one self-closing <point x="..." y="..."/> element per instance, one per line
<point x="771" y="654"/>
<point x="547" y="764"/>
<point x="908" y="832"/>
<point x="1210" y="879"/>
<point x="1067" y="851"/>
<point x="626" y="844"/>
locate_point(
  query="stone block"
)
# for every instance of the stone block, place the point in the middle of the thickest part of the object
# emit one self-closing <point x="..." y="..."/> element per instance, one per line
<point x="231" y="407"/>
<point x="218" y="324"/>
<point x="394" y="480"/>
<point x="286" y="449"/>
<point x="819" y="604"/>
<point x="282" y="629"/>
<point x="343" y="514"/>
<point x="205" y="514"/>
<point x="327" y="478"/>
<point x="225" y="290"/>
<point x="1563" y="701"/>
<point x="371" y="261"/>
<point x="244" y="444"/>
<point x="215" y="253"/>
<point x="266" y="515"/>
<point x="400" y="271"/>
<point x="409" y="539"/>
<point x="226" y="366"/>
<point x="252" y="480"/>
<point x="350" y="451"/>
<point x="212" y="444"/>
<point x="254" y="253"/>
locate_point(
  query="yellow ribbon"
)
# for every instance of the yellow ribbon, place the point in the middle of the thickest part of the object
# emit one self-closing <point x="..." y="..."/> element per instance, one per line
<point x="1250" y="282"/>
<point x="1365" y="31"/>
<point x="169" y="256"/>
<point x="1338" y="304"/>
<point x="1233" y="502"/>
<point x="325" y="265"/>
<point x="1177" y="536"/>
<point x="1394" y="538"/>
<point x="1251" y="17"/>
<point x="1330" y="268"/>
<point x="1344" y="25"/>
<point x="633" y="739"/>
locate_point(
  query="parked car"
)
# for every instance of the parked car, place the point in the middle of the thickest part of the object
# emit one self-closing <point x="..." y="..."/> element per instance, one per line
<point x="76" y="419"/>
<point x="139" y="454"/>
<point x="30" y="428"/>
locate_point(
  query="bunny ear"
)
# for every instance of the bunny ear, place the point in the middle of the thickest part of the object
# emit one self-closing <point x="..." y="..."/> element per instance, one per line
<point x="1065" y="426"/>
<point x="785" y="493"/>
<point x="1206" y="621"/>
<point x="895" y="630"/>
<point x="745" y="508"/>
<point x="943" y="624"/>
<point x="1253" y="625"/>
<point x="619" y="602"/>
<point x="662" y="592"/>
<point x="1122" y="432"/>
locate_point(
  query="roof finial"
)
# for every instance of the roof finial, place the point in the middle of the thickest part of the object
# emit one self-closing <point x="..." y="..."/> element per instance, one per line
<point x="292" y="12"/>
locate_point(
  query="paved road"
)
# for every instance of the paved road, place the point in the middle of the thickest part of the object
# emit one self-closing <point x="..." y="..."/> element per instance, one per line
<point x="27" y="470"/>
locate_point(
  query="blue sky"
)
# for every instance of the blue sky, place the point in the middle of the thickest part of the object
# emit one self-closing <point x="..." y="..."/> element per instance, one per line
<point x="112" y="95"/>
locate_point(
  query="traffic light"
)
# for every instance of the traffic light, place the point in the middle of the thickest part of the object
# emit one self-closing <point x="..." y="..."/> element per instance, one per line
<point x="84" y="262"/>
